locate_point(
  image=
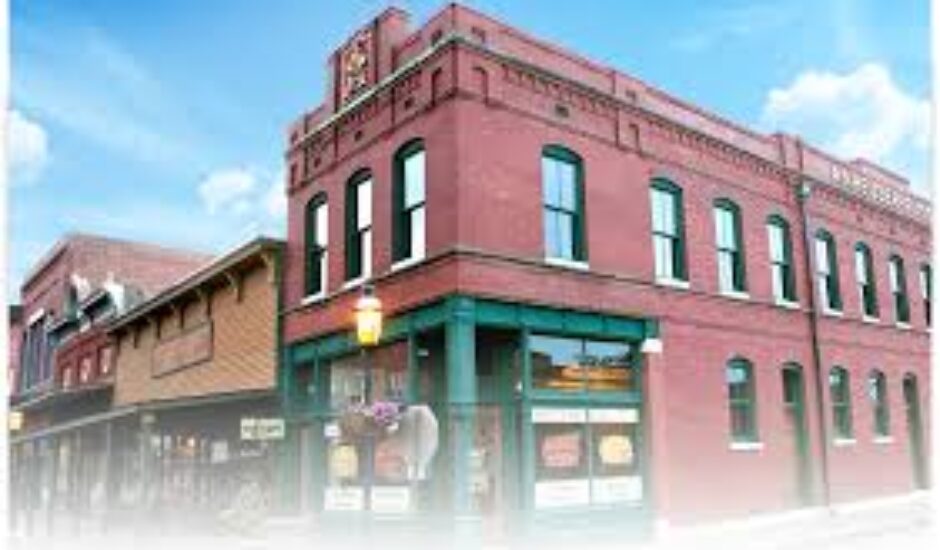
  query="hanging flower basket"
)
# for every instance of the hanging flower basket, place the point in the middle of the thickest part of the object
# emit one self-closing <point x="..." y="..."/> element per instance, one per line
<point x="376" y="420"/>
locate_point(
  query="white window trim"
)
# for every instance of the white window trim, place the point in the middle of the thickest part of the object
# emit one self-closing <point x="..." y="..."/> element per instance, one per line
<point x="843" y="441"/>
<point x="832" y="312"/>
<point x="786" y="304"/>
<point x="736" y="295"/>
<point x="883" y="440"/>
<point x="353" y="283"/>
<point x="902" y="325"/>
<point x="745" y="446"/>
<point x="871" y="320"/>
<point x="567" y="264"/>
<point x="406" y="263"/>
<point x="313" y="298"/>
<point x="673" y="283"/>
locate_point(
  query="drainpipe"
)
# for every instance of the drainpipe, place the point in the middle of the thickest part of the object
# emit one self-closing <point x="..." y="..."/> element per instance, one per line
<point x="803" y="194"/>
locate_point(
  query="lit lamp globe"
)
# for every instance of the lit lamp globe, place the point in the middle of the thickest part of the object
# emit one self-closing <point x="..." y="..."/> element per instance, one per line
<point x="368" y="318"/>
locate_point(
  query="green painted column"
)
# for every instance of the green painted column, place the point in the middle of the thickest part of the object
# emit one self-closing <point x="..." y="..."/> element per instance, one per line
<point x="462" y="401"/>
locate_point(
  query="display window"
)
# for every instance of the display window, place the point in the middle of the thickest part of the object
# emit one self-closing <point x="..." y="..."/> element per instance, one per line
<point x="577" y="365"/>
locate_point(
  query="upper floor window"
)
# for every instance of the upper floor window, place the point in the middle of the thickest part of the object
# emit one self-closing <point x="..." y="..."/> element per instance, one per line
<point x="840" y="395"/>
<point x="926" y="290"/>
<point x="897" y="279"/>
<point x="359" y="226"/>
<point x="827" y="272"/>
<point x="315" y="243"/>
<point x="865" y="278"/>
<point x="668" y="230"/>
<point x="408" y="216"/>
<point x="728" y="239"/>
<point x="563" y="205"/>
<point x="781" y="260"/>
<point x="878" y="394"/>
<point x="739" y="375"/>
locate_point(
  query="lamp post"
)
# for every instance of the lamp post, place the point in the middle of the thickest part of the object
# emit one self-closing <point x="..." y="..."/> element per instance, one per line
<point x="368" y="331"/>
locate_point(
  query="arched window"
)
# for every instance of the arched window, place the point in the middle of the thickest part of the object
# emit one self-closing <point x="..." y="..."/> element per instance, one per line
<point x="865" y="278"/>
<point x="878" y="395"/>
<point x="840" y="395"/>
<point x="898" y="281"/>
<point x="563" y="205"/>
<point x="926" y="290"/>
<point x="739" y="375"/>
<point x="408" y="202"/>
<point x="316" y="239"/>
<point x="827" y="272"/>
<point x="668" y="230"/>
<point x="359" y="226"/>
<point x="782" y="277"/>
<point x="730" y="244"/>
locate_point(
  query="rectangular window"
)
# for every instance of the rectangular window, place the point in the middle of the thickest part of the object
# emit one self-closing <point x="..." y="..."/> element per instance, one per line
<point x="668" y="237"/>
<point x="926" y="290"/>
<point x="841" y="397"/>
<point x="730" y="254"/>
<point x="317" y="240"/>
<point x="827" y="274"/>
<point x="864" y="276"/>
<point x="741" y="395"/>
<point x="409" y="224"/>
<point x="575" y="365"/>
<point x="781" y="262"/>
<point x="359" y="230"/>
<point x="899" y="290"/>
<point x="562" y="211"/>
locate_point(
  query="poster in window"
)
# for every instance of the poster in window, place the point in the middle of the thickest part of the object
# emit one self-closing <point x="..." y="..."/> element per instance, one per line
<point x="344" y="462"/>
<point x="561" y="451"/>
<point x="616" y="450"/>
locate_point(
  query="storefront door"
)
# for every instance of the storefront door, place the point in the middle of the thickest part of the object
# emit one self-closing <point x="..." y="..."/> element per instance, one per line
<point x="915" y="431"/>
<point x="795" y="413"/>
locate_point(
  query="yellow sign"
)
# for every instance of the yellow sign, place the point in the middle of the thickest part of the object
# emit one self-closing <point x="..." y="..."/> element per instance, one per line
<point x="616" y="450"/>
<point x="16" y="421"/>
<point x="344" y="462"/>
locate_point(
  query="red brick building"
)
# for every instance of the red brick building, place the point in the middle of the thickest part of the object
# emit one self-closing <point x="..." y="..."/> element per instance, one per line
<point x="612" y="300"/>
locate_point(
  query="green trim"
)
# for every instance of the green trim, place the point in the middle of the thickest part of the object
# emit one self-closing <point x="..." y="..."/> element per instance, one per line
<point x="869" y="290"/>
<point x="354" y="267"/>
<point x="746" y="403"/>
<point x="840" y="396"/>
<point x="833" y="286"/>
<point x="902" y="305"/>
<point x="738" y="254"/>
<point x="880" y="409"/>
<point x="313" y="278"/>
<point x="401" y="223"/>
<point x="679" y="258"/>
<point x="789" y="279"/>
<point x="579" y="226"/>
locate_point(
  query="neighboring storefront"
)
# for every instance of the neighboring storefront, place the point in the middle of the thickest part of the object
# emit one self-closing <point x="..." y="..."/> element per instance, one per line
<point x="505" y="412"/>
<point x="197" y="364"/>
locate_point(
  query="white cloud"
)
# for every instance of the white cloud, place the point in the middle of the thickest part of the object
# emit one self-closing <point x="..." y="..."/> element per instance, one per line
<point x="863" y="113"/>
<point x="227" y="188"/>
<point x="275" y="200"/>
<point x="28" y="147"/>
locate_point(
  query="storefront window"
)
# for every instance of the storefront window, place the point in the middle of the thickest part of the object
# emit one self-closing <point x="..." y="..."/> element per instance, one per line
<point x="586" y="457"/>
<point x="568" y="364"/>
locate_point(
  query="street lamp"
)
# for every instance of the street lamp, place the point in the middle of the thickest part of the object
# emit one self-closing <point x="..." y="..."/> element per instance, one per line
<point x="368" y="317"/>
<point x="368" y="331"/>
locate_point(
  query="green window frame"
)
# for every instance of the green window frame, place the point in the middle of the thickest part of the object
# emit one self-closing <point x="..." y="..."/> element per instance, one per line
<point x="827" y="271"/>
<point x="783" y="283"/>
<point x="668" y="230"/>
<point x="563" y="216"/>
<point x="878" y="395"/>
<point x="926" y="290"/>
<point x="898" y="282"/>
<point x="729" y="242"/>
<point x="840" y="396"/>
<point x="409" y="192"/>
<point x="865" y="279"/>
<point x="742" y="401"/>
<point x="359" y="225"/>
<point x="316" y="241"/>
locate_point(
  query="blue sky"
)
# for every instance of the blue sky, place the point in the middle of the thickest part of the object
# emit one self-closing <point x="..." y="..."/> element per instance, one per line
<point x="164" y="120"/>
